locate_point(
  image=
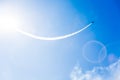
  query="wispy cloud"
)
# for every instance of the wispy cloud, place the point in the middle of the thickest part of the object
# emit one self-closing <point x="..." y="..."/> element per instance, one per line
<point x="112" y="72"/>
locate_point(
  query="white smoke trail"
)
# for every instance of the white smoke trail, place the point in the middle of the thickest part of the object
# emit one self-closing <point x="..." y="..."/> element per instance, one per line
<point x="111" y="72"/>
<point x="53" y="38"/>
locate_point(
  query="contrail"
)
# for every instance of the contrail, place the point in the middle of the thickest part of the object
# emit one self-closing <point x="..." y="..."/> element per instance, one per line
<point x="53" y="38"/>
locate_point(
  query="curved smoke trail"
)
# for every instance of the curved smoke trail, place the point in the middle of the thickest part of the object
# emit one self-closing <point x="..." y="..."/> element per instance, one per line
<point x="53" y="38"/>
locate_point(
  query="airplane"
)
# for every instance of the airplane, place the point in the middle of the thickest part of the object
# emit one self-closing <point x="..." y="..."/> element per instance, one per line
<point x="92" y="22"/>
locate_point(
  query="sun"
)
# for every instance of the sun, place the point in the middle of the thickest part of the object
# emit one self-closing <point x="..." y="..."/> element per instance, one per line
<point x="8" y="23"/>
<point x="9" y="19"/>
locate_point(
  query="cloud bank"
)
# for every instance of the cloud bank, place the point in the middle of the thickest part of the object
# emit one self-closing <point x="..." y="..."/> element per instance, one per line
<point x="112" y="72"/>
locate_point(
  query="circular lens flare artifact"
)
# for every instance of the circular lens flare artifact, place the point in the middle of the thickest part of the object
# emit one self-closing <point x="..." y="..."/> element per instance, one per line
<point x="94" y="51"/>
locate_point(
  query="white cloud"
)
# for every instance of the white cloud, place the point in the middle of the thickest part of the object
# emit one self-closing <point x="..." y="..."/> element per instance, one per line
<point x="111" y="72"/>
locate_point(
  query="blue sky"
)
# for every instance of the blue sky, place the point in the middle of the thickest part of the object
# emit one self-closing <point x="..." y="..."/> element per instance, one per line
<point x="26" y="58"/>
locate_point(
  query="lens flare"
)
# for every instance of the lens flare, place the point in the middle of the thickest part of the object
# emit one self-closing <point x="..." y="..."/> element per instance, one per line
<point x="94" y="51"/>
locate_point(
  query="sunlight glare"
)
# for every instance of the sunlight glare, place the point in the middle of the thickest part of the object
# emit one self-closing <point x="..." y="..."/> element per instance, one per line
<point x="8" y="23"/>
